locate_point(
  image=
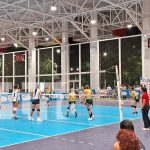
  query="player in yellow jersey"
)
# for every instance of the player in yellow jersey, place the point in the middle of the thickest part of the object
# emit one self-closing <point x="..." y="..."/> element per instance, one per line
<point x="72" y="101"/>
<point x="135" y="99"/>
<point x="48" y="97"/>
<point x="88" y="101"/>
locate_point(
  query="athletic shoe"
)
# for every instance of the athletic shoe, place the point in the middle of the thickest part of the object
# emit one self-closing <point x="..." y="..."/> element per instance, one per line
<point x="145" y="129"/>
<point x="15" y="118"/>
<point x="39" y="120"/>
<point x="30" y="118"/>
<point x="76" y="114"/>
<point x="90" y="119"/>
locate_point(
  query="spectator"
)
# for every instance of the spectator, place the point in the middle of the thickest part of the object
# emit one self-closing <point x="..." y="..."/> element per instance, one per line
<point x="145" y="109"/>
<point x="127" y="124"/>
<point x="126" y="140"/>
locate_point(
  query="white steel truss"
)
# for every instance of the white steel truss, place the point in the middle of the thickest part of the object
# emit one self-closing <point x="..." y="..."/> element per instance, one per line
<point x="18" y="16"/>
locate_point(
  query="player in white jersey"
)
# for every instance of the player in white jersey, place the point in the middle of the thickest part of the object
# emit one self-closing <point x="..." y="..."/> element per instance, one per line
<point x="36" y="95"/>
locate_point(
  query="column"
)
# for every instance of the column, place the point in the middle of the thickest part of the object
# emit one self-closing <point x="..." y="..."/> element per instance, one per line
<point x="94" y="54"/>
<point x="31" y="63"/>
<point x="64" y="58"/>
<point x="146" y="35"/>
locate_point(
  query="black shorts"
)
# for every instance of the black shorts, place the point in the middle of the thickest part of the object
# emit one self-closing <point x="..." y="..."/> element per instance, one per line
<point x="14" y="103"/>
<point x="137" y="100"/>
<point x="35" y="101"/>
<point x="89" y="101"/>
<point x="72" y="102"/>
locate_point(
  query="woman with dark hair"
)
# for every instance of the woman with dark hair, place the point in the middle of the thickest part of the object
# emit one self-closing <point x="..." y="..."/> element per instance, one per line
<point x="15" y="95"/>
<point x="145" y="109"/>
<point x="36" y="95"/>
<point x="127" y="124"/>
<point x="88" y="101"/>
<point x="126" y="140"/>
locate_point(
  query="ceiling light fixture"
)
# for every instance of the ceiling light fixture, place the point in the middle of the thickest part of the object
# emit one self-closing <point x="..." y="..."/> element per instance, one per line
<point x="34" y="33"/>
<point x="129" y="26"/>
<point x="47" y="39"/>
<point x="53" y="7"/>
<point x="93" y="21"/>
<point x="15" y="44"/>
<point x="2" y="39"/>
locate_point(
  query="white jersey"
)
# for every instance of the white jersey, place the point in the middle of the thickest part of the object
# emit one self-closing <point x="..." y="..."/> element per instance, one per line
<point x="36" y="94"/>
<point x="15" y="95"/>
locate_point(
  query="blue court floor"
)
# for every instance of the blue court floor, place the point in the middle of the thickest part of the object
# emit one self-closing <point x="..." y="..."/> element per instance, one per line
<point x="55" y="122"/>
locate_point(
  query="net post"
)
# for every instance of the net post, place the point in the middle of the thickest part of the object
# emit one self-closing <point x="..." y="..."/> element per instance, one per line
<point x="119" y="94"/>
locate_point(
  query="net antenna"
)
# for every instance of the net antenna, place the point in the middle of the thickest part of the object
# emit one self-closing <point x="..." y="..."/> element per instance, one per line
<point x="119" y="93"/>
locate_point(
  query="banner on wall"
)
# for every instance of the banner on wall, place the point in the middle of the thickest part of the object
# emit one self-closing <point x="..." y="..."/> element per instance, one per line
<point x="145" y="82"/>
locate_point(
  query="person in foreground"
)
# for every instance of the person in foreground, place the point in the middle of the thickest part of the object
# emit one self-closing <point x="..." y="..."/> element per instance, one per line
<point x="126" y="138"/>
<point x="145" y="109"/>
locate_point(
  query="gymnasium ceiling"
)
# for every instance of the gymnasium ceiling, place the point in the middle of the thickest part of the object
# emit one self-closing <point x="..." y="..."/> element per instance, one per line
<point x="17" y="17"/>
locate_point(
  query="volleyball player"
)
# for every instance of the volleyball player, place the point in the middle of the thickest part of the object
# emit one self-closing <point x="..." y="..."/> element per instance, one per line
<point x="15" y="95"/>
<point x="72" y="101"/>
<point x="89" y="101"/>
<point x="36" y="95"/>
<point x="47" y="96"/>
<point x="134" y="101"/>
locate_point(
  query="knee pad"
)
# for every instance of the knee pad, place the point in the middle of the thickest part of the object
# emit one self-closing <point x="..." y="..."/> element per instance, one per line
<point x="38" y="110"/>
<point x="14" y="109"/>
<point x="88" y="109"/>
<point x="134" y="106"/>
<point x="33" y="110"/>
<point x="68" y="107"/>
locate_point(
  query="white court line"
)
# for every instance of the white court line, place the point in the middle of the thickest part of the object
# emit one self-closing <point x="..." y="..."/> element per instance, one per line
<point x="67" y="122"/>
<point x="57" y="135"/>
<point x="22" y="132"/>
<point x="63" y="133"/>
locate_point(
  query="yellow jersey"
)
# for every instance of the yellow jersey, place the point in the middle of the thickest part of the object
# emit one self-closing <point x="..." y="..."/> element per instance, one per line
<point x="134" y="95"/>
<point x="88" y="93"/>
<point x="72" y="96"/>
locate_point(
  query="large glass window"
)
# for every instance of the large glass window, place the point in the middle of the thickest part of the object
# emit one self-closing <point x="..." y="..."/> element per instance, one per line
<point x="108" y="57"/>
<point x="85" y="79"/>
<point x="57" y="60"/>
<point x="85" y="57"/>
<point x="131" y="62"/>
<point x="57" y="83"/>
<point x="46" y="61"/>
<point x="8" y="86"/>
<point x="21" y="82"/>
<point x="47" y="80"/>
<point x="19" y="63"/>
<point x="8" y="64"/>
<point x="74" y="58"/>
